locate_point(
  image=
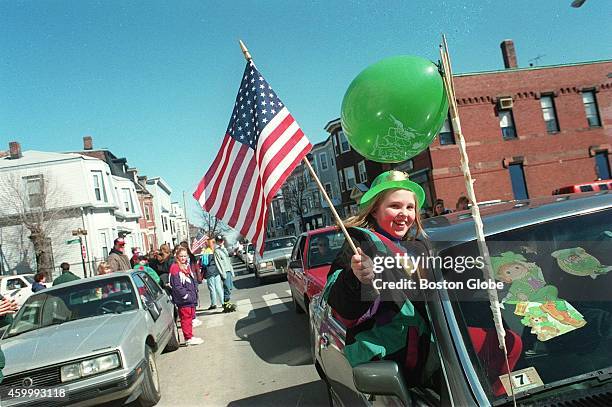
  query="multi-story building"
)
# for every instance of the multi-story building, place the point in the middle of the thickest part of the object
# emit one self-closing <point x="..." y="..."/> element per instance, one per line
<point x="58" y="194"/>
<point x="162" y="207"/>
<point x="178" y="223"/>
<point x="324" y="164"/>
<point x="528" y="130"/>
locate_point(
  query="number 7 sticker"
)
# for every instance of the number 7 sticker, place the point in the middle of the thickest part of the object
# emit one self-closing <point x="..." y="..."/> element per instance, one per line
<point x="522" y="380"/>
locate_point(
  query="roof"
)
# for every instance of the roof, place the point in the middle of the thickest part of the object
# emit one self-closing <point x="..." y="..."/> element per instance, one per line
<point x="32" y="157"/>
<point x="532" y="68"/>
<point x="320" y="230"/>
<point x="161" y="182"/>
<point x="459" y="226"/>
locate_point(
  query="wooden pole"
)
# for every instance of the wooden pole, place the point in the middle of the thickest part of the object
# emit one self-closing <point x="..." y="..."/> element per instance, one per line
<point x="447" y="76"/>
<point x="247" y="56"/>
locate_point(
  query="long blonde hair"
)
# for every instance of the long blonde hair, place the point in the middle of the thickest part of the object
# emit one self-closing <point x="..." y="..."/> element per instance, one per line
<point x="364" y="218"/>
<point x="179" y="249"/>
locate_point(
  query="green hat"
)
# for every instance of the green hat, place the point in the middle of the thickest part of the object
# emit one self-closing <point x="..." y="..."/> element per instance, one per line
<point x="392" y="180"/>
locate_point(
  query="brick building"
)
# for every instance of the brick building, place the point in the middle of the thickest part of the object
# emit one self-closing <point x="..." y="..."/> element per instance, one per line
<point x="528" y="130"/>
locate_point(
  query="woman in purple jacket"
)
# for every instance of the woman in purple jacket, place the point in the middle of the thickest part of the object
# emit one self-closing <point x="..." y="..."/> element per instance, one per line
<point x="184" y="294"/>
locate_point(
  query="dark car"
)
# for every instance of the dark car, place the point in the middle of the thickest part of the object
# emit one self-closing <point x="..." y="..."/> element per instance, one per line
<point x="311" y="259"/>
<point x="553" y="260"/>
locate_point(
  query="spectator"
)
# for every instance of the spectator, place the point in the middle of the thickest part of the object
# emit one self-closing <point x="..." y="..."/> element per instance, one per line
<point x="143" y="265"/>
<point x="104" y="268"/>
<point x="224" y="264"/>
<point x="135" y="255"/>
<point x="324" y="253"/>
<point x="116" y="259"/>
<point x="462" y="203"/>
<point x="439" y="208"/>
<point x="211" y="273"/>
<point x="164" y="260"/>
<point x="66" y="275"/>
<point x="39" y="282"/>
<point x="184" y="294"/>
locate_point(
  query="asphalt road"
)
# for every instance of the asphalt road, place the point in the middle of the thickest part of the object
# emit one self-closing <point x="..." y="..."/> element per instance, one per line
<point x="256" y="356"/>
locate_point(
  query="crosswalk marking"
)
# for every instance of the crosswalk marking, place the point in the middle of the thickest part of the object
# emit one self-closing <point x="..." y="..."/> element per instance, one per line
<point x="275" y="304"/>
<point x="244" y="308"/>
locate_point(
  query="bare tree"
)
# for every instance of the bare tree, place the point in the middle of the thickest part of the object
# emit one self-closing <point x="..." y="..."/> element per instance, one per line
<point x="34" y="204"/>
<point x="211" y="225"/>
<point x="295" y="193"/>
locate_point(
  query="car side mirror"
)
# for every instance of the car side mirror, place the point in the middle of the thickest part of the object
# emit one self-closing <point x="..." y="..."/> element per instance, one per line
<point x="382" y="378"/>
<point x="151" y="306"/>
<point x="295" y="264"/>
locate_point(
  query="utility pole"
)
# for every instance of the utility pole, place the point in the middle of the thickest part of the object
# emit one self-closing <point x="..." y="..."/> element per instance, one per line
<point x="186" y="219"/>
<point x="80" y="233"/>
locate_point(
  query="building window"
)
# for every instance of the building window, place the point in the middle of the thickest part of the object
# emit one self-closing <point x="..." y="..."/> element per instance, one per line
<point x="335" y="141"/>
<point x="341" y="179"/>
<point x="104" y="244"/>
<point x="590" y="108"/>
<point x="349" y="175"/>
<point x="128" y="205"/>
<point x="550" y="114"/>
<point x="517" y="177"/>
<point x="99" y="189"/>
<point x="446" y="133"/>
<point x="34" y="190"/>
<point x="506" y="122"/>
<point x="172" y="229"/>
<point x="147" y="213"/>
<point x="329" y="190"/>
<point x="317" y="199"/>
<point x="323" y="161"/>
<point x="344" y="144"/>
<point x="363" y="175"/>
<point x="602" y="165"/>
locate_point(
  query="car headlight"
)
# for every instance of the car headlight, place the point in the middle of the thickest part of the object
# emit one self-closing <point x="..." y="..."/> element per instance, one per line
<point x="89" y="367"/>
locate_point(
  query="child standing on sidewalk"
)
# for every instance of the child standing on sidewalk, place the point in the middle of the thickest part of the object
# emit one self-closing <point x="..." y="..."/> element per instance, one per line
<point x="184" y="294"/>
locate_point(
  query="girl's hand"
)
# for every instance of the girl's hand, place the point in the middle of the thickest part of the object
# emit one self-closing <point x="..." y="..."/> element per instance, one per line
<point x="362" y="267"/>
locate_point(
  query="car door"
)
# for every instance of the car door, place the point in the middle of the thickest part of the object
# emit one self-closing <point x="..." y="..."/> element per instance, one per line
<point x="295" y="275"/>
<point x="17" y="289"/>
<point x="332" y="336"/>
<point x="152" y="306"/>
<point x="163" y="302"/>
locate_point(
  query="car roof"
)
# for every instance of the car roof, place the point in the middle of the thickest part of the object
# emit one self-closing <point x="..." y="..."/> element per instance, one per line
<point x="279" y="238"/>
<point x="320" y="230"/>
<point x="459" y="226"/>
<point x="18" y="275"/>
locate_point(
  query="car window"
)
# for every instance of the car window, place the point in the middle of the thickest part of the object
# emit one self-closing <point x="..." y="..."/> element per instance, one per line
<point x="152" y="286"/>
<point x="279" y="243"/>
<point x="603" y="187"/>
<point x="14" y="284"/>
<point x="28" y="279"/>
<point x="324" y="248"/>
<point x="586" y="188"/>
<point x="556" y="279"/>
<point x="84" y="300"/>
<point x="144" y="291"/>
<point x="298" y="249"/>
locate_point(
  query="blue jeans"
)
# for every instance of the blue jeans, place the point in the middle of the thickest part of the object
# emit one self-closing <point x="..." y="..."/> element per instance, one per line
<point x="215" y="289"/>
<point x="228" y="285"/>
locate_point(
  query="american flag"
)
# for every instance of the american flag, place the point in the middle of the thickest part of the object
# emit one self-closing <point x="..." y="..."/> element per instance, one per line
<point x="262" y="145"/>
<point x="199" y="243"/>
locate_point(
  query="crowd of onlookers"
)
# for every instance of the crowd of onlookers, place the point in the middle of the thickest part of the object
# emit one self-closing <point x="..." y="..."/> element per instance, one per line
<point x="439" y="209"/>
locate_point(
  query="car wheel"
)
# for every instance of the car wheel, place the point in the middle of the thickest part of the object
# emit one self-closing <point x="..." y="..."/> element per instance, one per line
<point x="174" y="343"/>
<point x="149" y="389"/>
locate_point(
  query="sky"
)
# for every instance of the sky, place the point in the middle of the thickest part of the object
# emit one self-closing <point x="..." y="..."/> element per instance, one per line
<point x="155" y="81"/>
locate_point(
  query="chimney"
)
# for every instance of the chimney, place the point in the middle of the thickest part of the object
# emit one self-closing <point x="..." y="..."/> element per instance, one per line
<point x="87" y="143"/>
<point x="15" y="150"/>
<point x="509" y="54"/>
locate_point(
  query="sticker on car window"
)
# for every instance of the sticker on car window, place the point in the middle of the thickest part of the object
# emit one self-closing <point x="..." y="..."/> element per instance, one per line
<point x="578" y="262"/>
<point x="522" y="380"/>
<point x="550" y="319"/>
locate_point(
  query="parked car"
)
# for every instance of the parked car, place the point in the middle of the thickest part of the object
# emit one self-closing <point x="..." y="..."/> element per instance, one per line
<point x="311" y="259"/>
<point x="559" y="352"/>
<point x="275" y="257"/>
<point x="248" y="257"/>
<point x="97" y="339"/>
<point x="17" y="287"/>
<point x="601" y="185"/>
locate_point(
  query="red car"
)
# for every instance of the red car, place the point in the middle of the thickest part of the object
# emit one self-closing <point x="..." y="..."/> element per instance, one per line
<point x="310" y="262"/>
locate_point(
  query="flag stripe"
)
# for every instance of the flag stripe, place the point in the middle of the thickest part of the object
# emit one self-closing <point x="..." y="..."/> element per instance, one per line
<point x="229" y="193"/>
<point x="213" y="191"/>
<point x="242" y="191"/>
<point x="198" y="194"/>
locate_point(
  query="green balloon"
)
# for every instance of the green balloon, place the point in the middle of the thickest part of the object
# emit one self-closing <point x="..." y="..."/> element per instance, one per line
<point x="394" y="108"/>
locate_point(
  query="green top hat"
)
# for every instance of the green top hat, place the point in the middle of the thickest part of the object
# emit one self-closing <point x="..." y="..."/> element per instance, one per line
<point x="392" y="180"/>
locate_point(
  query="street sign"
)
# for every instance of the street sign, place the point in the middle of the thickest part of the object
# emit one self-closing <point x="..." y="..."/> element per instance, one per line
<point x="72" y="241"/>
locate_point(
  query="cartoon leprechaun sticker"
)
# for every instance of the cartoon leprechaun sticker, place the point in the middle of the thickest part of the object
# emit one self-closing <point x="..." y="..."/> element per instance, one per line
<point x="526" y="279"/>
<point x="578" y="262"/>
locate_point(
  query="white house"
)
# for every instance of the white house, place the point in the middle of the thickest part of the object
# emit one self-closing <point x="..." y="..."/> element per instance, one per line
<point x="77" y="192"/>
<point x="177" y="217"/>
<point x="162" y="207"/>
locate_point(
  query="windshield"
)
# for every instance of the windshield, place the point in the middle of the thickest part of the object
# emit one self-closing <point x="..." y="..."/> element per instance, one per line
<point x="89" y="299"/>
<point x="29" y="279"/>
<point x="279" y="244"/>
<point x="250" y="249"/>
<point x="324" y="247"/>
<point x="557" y="302"/>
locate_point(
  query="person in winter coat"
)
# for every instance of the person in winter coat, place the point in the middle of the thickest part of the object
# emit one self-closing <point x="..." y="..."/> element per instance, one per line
<point x="39" y="282"/>
<point x="66" y="275"/>
<point x="164" y="260"/>
<point x="184" y="294"/>
<point x="143" y="265"/>
<point x="213" y="278"/>
<point x="224" y="265"/>
<point x="116" y="259"/>
<point x="387" y="223"/>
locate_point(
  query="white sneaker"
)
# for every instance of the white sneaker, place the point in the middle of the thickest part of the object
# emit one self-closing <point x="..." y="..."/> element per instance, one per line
<point x="194" y="341"/>
<point x="196" y="322"/>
